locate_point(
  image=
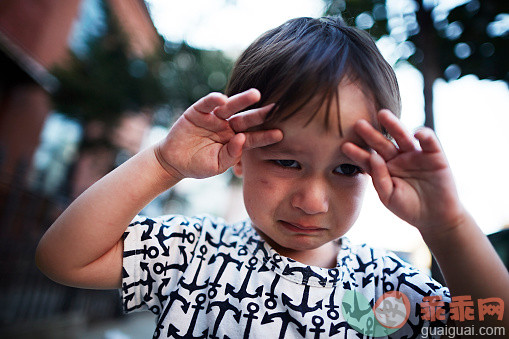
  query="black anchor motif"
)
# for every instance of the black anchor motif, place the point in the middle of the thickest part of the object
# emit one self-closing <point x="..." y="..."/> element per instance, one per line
<point x="336" y="328"/>
<point x="387" y="284"/>
<point x="161" y="237"/>
<point x="286" y="319"/>
<point x="402" y="280"/>
<point x="160" y="268"/>
<point x="362" y="266"/>
<point x="252" y="309"/>
<point x="152" y="252"/>
<point x="126" y="287"/>
<point x="303" y="308"/>
<point x="306" y="272"/>
<point x="209" y="238"/>
<point x="366" y="280"/>
<point x="227" y="258"/>
<point x="147" y="282"/>
<point x="159" y="294"/>
<point x="334" y="273"/>
<point x="318" y="323"/>
<point x="276" y="259"/>
<point x="434" y="287"/>
<point x="193" y="286"/>
<point x="174" y="296"/>
<point x="271" y="301"/>
<point x="128" y="298"/>
<point x="388" y="271"/>
<point x="223" y="307"/>
<point x="242" y="292"/>
<point x="331" y="312"/>
<point x="242" y="250"/>
<point x="145" y="235"/>
<point x="173" y="331"/>
<point x="259" y="247"/>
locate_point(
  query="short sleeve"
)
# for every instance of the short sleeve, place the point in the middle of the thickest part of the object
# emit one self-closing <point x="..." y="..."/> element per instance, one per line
<point x="417" y="286"/>
<point x="156" y="253"/>
<point x="399" y="275"/>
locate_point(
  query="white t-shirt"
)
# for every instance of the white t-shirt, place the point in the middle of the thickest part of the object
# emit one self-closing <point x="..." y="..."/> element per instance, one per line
<point x="204" y="278"/>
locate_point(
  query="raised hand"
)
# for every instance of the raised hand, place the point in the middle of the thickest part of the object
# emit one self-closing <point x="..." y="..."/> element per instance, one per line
<point x="208" y="138"/>
<point x="412" y="179"/>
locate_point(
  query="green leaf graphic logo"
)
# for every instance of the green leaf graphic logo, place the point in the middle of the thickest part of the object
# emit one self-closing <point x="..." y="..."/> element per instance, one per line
<point x="389" y="314"/>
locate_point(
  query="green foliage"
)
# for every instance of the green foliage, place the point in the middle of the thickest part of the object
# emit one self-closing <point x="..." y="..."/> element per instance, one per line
<point x="188" y="74"/>
<point x="366" y="14"/>
<point x="484" y="36"/>
<point x="108" y="80"/>
<point x="462" y="40"/>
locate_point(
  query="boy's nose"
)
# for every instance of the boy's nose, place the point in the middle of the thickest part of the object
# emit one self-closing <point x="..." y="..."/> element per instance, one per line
<point x="311" y="197"/>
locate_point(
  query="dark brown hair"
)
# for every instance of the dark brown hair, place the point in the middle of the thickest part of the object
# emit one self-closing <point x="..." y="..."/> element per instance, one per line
<point x="305" y="58"/>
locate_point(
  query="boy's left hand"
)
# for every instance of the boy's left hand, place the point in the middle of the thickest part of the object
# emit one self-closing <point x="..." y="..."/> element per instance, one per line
<point x="413" y="182"/>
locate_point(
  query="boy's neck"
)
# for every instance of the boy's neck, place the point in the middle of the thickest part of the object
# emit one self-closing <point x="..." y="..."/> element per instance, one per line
<point x="325" y="256"/>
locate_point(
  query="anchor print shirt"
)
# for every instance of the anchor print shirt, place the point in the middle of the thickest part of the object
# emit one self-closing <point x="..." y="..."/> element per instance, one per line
<point x="203" y="278"/>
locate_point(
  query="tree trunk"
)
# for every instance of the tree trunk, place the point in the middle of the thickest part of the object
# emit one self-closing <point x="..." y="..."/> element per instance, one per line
<point x="427" y="42"/>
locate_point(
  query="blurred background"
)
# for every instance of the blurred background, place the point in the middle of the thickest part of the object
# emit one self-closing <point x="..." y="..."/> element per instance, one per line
<point x="84" y="85"/>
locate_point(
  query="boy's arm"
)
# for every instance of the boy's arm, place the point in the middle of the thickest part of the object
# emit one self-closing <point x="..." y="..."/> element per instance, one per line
<point x="84" y="246"/>
<point x="416" y="183"/>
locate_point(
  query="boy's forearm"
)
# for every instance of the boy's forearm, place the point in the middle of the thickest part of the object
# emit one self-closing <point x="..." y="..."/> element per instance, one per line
<point x="469" y="262"/>
<point x="95" y="222"/>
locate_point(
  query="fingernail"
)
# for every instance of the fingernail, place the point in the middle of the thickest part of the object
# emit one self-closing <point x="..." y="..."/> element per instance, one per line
<point x="254" y="90"/>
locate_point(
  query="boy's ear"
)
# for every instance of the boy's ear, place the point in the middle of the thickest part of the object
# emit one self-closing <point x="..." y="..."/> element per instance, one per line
<point x="237" y="169"/>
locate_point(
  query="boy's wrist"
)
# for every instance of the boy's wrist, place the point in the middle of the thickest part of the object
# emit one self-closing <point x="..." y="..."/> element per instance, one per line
<point x="444" y="234"/>
<point x="170" y="173"/>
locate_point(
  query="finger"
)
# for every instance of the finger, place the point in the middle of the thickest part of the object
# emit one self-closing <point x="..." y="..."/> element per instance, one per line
<point x="376" y="140"/>
<point x="230" y="153"/>
<point x="233" y="149"/>
<point x="237" y="103"/>
<point x="357" y="154"/>
<point x="262" y="138"/>
<point x="209" y="102"/>
<point x="428" y="140"/>
<point x="395" y="128"/>
<point x="245" y="120"/>
<point x="381" y="177"/>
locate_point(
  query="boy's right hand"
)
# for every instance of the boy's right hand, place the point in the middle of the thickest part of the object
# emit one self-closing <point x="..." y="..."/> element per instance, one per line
<point x="208" y="138"/>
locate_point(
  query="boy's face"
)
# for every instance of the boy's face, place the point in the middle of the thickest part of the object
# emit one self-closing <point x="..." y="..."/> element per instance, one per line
<point x="303" y="192"/>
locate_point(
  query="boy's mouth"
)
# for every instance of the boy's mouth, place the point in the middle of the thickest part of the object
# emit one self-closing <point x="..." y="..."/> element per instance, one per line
<point x="295" y="227"/>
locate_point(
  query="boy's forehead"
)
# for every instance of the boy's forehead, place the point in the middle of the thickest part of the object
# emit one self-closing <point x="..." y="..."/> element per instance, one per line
<point x="336" y="116"/>
<point x="300" y="138"/>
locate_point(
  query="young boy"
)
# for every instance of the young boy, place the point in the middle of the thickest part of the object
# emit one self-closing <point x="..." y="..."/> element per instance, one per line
<point x="317" y="102"/>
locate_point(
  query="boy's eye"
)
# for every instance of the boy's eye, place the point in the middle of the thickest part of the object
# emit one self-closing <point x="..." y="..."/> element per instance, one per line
<point x="287" y="163"/>
<point x="348" y="169"/>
